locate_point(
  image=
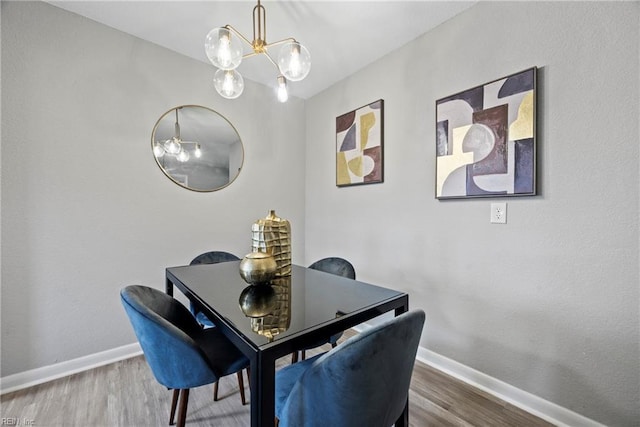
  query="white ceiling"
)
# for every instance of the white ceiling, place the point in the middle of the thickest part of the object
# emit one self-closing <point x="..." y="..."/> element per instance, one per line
<point x="342" y="36"/>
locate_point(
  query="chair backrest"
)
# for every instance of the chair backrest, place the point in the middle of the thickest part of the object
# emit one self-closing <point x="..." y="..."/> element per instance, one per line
<point x="362" y="382"/>
<point x="335" y="265"/>
<point x="164" y="327"/>
<point x="214" y="257"/>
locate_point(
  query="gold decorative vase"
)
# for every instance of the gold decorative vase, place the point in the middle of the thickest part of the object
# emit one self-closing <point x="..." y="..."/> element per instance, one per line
<point x="273" y="236"/>
<point x="258" y="267"/>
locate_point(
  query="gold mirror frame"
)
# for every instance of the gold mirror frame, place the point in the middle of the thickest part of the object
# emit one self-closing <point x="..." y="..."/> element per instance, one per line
<point x="197" y="128"/>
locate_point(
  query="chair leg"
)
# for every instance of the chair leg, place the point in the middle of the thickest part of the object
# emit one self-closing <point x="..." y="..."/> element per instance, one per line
<point x="294" y="357"/>
<point x="174" y="404"/>
<point x="241" y="386"/>
<point x="215" y="391"/>
<point x="182" y="413"/>
<point x="304" y="354"/>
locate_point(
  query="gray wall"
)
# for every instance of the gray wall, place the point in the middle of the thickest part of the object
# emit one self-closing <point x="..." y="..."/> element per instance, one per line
<point x="85" y="208"/>
<point x="548" y="302"/>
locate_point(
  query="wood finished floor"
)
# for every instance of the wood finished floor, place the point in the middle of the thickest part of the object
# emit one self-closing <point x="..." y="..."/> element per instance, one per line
<point x="126" y="394"/>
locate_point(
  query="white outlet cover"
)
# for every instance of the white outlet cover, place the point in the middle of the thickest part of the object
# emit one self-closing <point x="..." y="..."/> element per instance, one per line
<point x="498" y="213"/>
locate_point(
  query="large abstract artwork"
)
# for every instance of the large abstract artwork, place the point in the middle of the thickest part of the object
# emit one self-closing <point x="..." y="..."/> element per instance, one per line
<point x="485" y="139"/>
<point x="359" y="145"/>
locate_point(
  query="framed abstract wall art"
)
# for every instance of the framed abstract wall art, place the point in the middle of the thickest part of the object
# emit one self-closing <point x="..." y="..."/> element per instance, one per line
<point x="359" y="145"/>
<point x="486" y="139"/>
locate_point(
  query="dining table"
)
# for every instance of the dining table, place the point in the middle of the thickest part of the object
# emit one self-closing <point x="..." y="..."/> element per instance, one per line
<point x="290" y="313"/>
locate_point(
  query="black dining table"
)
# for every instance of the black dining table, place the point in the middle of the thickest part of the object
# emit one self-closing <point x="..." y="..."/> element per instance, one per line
<point x="268" y="321"/>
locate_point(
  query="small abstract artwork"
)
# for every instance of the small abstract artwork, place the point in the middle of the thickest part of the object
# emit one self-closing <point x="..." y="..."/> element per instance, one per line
<point x="359" y="145"/>
<point x="486" y="139"/>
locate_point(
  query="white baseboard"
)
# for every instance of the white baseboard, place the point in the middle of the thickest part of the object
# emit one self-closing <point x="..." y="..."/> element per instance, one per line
<point x="533" y="404"/>
<point x="48" y="373"/>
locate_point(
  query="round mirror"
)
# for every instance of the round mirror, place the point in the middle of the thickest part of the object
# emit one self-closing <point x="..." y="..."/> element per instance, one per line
<point x="197" y="148"/>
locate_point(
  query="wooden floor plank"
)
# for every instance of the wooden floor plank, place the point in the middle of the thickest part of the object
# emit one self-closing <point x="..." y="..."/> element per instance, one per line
<point x="125" y="393"/>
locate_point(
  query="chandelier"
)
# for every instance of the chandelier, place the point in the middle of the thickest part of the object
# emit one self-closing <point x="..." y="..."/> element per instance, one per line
<point x="175" y="146"/>
<point x="223" y="46"/>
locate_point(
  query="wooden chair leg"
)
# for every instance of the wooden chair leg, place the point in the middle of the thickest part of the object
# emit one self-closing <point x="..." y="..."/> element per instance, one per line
<point x="304" y="354"/>
<point x="294" y="357"/>
<point x="241" y="386"/>
<point x="182" y="412"/>
<point x="174" y="404"/>
<point x="215" y="391"/>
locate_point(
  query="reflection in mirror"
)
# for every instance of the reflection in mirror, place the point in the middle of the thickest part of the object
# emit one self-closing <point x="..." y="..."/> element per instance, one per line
<point x="197" y="148"/>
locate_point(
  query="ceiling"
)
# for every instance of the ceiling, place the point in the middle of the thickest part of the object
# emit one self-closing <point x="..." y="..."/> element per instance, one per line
<point x="342" y="36"/>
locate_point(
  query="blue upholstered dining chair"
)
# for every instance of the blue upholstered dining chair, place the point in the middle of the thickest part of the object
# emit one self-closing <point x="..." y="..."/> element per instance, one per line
<point x="212" y="257"/>
<point x="339" y="267"/>
<point x="181" y="354"/>
<point x="362" y="382"/>
<point x="335" y="265"/>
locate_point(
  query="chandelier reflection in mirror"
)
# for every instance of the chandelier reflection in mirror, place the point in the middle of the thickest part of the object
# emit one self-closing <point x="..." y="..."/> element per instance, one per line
<point x="197" y="148"/>
<point x="176" y="147"/>
<point x="224" y="49"/>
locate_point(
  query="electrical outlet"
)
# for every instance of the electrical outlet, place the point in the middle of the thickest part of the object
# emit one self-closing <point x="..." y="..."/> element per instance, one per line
<point x="498" y="213"/>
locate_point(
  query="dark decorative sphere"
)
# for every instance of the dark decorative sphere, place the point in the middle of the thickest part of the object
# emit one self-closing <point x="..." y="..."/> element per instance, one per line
<point x="257" y="301"/>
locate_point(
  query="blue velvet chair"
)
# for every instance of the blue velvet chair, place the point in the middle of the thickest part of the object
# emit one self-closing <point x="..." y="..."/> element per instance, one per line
<point x="181" y="354"/>
<point x="335" y="265"/>
<point x="362" y="382"/>
<point x="212" y="257"/>
<point x="339" y="267"/>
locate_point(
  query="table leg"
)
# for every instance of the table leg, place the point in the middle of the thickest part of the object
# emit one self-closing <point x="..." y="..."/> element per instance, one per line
<point x="168" y="287"/>
<point x="262" y="391"/>
<point x="403" y="308"/>
<point x="403" y="420"/>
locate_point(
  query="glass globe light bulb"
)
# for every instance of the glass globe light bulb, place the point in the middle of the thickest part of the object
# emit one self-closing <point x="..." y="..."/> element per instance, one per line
<point x="223" y="48"/>
<point x="283" y="95"/>
<point x="228" y="83"/>
<point x="158" y="150"/>
<point x="197" y="152"/>
<point x="172" y="146"/>
<point x="294" y="61"/>
<point x="183" y="156"/>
